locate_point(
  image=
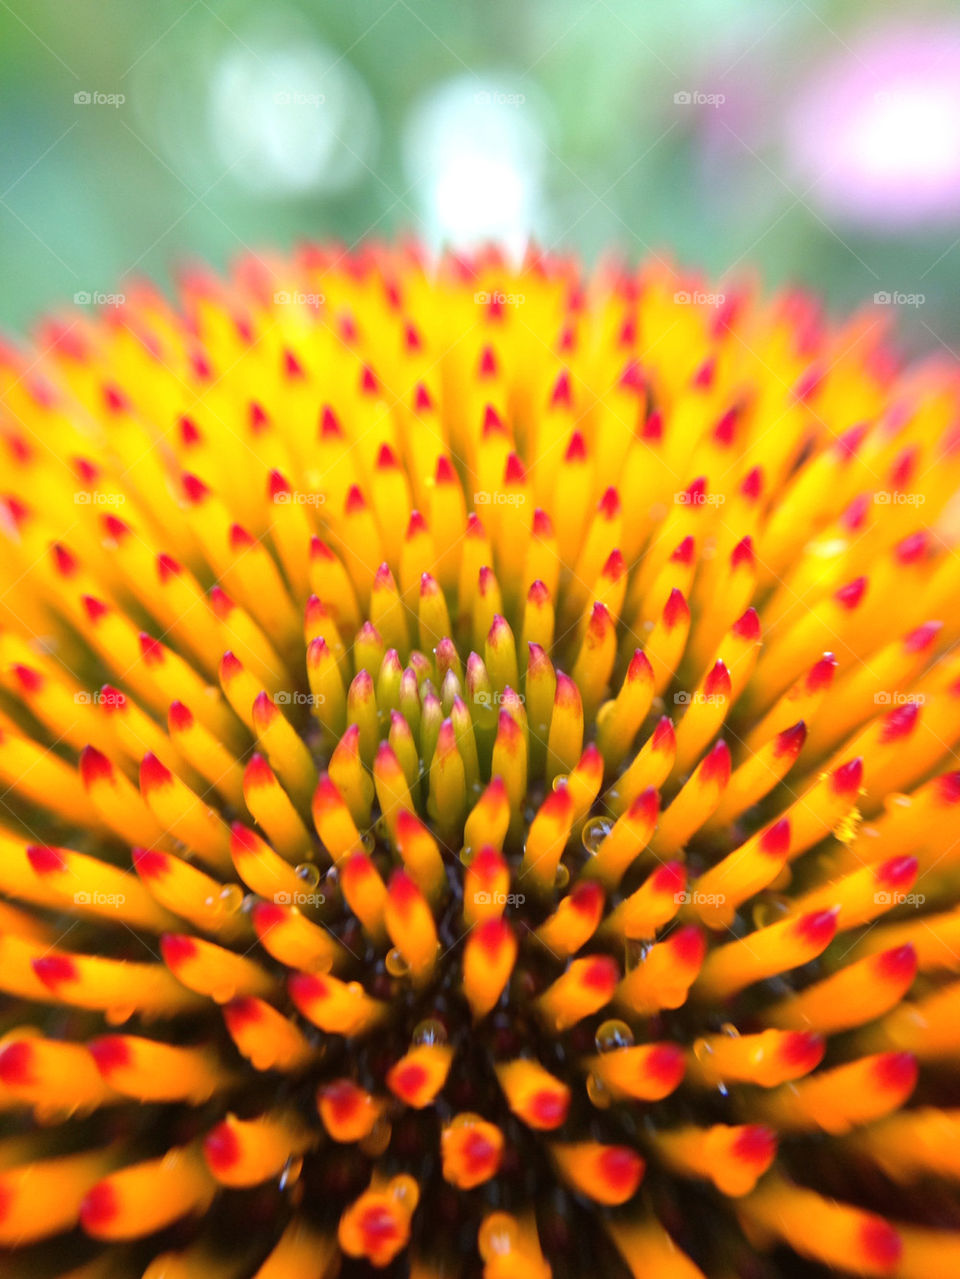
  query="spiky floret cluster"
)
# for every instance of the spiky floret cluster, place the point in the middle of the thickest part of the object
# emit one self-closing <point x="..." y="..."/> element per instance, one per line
<point x="513" y="832"/>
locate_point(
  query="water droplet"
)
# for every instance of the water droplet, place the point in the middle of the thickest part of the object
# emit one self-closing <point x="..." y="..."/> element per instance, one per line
<point x="561" y="779"/>
<point x="729" y="1029"/>
<point x="395" y="963"/>
<point x="430" y="1031"/>
<point x="613" y="1034"/>
<point x="562" y="877"/>
<point x="598" y="1092"/>
<point x="702" y="1050"/>
<point x="309" y="872"/>
<point x="634" y="953"/>
<point x="355" y="988"/>
<point x="291" y="1172"/>
<point x="230" y="899"/>
<point x="368" y="841"/>
<point x="594" y="833"/>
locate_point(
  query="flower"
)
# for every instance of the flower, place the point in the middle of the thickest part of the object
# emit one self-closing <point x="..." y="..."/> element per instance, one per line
<point x="479" y="793"/>
<point x="873" y="132"/>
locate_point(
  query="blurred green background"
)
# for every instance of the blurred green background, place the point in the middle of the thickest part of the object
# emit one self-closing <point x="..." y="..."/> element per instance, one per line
<point x="818" y="140"/>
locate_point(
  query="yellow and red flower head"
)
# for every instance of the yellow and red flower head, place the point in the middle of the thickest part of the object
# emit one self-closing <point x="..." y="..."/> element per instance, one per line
<point x="477" y="745"/>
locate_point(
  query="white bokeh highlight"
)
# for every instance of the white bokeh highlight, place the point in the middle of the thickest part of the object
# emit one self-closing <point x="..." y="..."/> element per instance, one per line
<point x="876" y="132"/>
<point x="291" y="119"/>
<point x="475" y="150"/>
